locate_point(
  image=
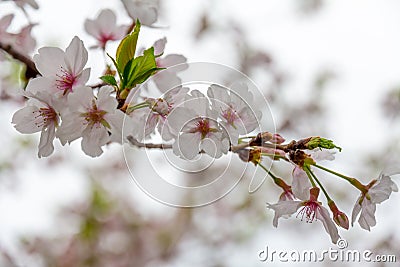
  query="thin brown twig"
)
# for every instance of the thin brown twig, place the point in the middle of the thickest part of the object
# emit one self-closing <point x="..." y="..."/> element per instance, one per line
<point x="31" y="70"/>
<point x="134" y="142"/>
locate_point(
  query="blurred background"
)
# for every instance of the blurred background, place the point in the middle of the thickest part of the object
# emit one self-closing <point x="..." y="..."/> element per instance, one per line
<point x="327" y="68"/>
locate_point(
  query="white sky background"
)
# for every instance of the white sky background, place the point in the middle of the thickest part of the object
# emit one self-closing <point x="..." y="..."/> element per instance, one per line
<point x="359" y="40"/>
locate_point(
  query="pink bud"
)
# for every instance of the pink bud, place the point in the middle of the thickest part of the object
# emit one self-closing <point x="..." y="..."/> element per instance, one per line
<point x="277" y="139"/>
<point x="339" y="217"/>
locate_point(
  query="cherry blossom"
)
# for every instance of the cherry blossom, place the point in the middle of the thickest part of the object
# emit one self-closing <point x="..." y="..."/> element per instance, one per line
<point x="198" y="129"/>
<point x="61" y="71"/>
<point x="104" y="28"/>
<point x="91" y="118"/>
<point x="146" y="11"/>
<point x="40" y="115"/>
<point x="23" y="41"/>
<point x="233" y="105"/>
<point x="310" y="210"/>
<point x="378" y="190"/>
<point x="160" y="109"/>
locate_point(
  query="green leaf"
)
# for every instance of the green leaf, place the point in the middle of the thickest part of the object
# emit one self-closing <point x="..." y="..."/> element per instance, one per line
<point x="139" y="69"/>
<point x="127" y="47"/>
<point x="109" y="79"/>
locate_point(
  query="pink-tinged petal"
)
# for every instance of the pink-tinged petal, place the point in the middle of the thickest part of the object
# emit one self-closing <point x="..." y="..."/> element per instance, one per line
<point x="356" y="211"/>
<point x="46" y="146"/>
<point x="82" y="78"/>
<point x="329" y="225"/>
<point x="24" y="120"/>
<point x="159" y="46"/>
<point x="49" y="60"/>
<point x="93" y="139"/>
<point x="187" y="145"/>
<point x="301" y="184"/>
<point x="172" y="60"/>
<point x="76" y="56"/>
<point x="92" y="28"/>
<point x="5" y="22"/>
<point x="106" y="19"/>
<point x="283" y="209"/>
<point x="367" y="216"/>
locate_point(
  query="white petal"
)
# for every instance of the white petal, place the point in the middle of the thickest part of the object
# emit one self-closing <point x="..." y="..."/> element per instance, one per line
<point x="24" y="120"/>
<point x="356" y="211"/>
<point x="76" y="56"/>
<point x="93" y="139"/>
<point x="81" y="99"/>
<point x="300" y="184"/>
<point x="187" y="145"/>
<point x="49" y="60"/>
<point x="105" y="101"/>
<point x="46" y="146"/>
<point x="330" y="227"/>
<point x="283" y="208"/>
<point x="159" y="46"/>
<point x="381" y="191"/>
<point x="367" y="216"/>
<point x="40" y="84"/>
<point x="172" y="60"/>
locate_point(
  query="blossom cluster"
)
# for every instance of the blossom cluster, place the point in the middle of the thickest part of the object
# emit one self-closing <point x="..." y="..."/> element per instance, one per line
<point x="302" y="196"/>
<point x="216" y="120"/>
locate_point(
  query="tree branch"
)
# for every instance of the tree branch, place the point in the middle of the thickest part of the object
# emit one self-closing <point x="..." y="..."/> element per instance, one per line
<point x="134" y="142"/>
<point x="31" y="71"/>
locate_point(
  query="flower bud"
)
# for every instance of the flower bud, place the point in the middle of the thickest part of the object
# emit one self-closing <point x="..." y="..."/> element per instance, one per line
<point x="339" y="217"/>
<point x="277" y="139"/>
<point x="253" y="155"/>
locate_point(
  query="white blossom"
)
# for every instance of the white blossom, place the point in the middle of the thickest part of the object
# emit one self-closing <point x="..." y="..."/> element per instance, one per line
<point x="198" y="129"/>
<point x="311" y="210"/>
<point x="104" y="28"/>
<point x="61" y="71"/>
<point x="92" y="118"/>
<point x="379" y="191"/>
<point x="235" y="109"/>
<point x="40" y="115"/>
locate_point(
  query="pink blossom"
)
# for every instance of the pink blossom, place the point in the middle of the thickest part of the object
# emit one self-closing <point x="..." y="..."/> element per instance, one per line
<point x="61" y="71"/>
<point x="104" y="28"/>
<point x="310" y="210"/>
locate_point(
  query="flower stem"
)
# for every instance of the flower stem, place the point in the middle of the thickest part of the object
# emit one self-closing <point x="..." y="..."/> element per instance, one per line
<point x="319" y="183"/>
<point x="351" y="180"/>
<point x="310" y="177"/>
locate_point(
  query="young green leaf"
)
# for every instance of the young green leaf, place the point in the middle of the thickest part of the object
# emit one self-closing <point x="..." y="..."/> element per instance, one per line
<point x="127" y="48"/>
<point x="109" y="79"/>
<point x="139" y="69"/>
